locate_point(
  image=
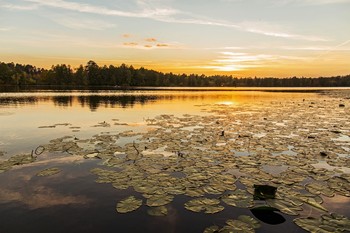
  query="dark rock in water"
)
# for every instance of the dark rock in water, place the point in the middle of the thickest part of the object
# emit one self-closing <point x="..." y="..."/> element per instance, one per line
<point x="322" y="153"/>
<point x="263" y="192"/>
<point x="311" y="137"/>
<point x="268" y="215"/>
<point x="341" y="105"/>
<point x="222" y="133"/>
<point x="335" y="131"/>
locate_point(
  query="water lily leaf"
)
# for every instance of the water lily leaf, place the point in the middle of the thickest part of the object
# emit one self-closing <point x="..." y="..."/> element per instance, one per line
<point x="49" y="172"/>
<point x="211" y="229"/>
<point x="159" y="200"/>
<point x="336" y="220"/>
<point x="209" y="206"/>
<point x="310" y="224"/>
<point x="212" y="209"/>
<point x="20" y="159"/>
<point x="239" y="198"/>
<point x="191" y="192"/>
<point x="340" y="185"/>
<point x="213" y="190"/>
<point x="312" y="202"/>
<point x="239" y="226"/>
<point x="128" y="204"/>
<point x="158" y="211"/>
<point x="284" y="206"/>
<point x="227" y="229"/>
<point x="325" y="223"/>
<point x="317" y="189"/>
<point x="120" y="185"/>
<point x="252" y="222"/>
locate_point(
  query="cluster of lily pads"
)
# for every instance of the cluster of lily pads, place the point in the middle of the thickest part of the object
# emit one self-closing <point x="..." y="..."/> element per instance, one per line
<point x="15" y="161"/>
<point x="243" y="223"/>
<point x="206" y="157"/>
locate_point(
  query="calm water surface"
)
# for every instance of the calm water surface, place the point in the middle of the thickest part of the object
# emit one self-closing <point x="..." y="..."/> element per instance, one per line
<point x="71" y="201"/>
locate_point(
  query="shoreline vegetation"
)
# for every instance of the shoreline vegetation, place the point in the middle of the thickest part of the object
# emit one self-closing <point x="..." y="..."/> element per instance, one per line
<point x="128" y="77"/>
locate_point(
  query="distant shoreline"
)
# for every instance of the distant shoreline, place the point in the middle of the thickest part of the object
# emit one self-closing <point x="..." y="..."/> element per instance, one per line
<point x="12" y="88"/>
<point x="126" y="77"/>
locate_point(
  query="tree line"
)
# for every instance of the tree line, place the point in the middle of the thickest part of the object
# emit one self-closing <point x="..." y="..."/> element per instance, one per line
<point x="127" y="76"/>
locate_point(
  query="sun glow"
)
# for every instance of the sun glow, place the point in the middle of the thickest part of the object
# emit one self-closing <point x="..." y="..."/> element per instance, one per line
<point x="228" y="103"/>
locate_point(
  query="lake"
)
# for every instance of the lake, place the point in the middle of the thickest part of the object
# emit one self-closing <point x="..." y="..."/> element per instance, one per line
<point x="175" y="160"/>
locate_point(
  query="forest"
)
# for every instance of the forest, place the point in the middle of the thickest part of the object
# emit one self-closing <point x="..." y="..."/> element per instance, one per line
<point x="127" y="76"/>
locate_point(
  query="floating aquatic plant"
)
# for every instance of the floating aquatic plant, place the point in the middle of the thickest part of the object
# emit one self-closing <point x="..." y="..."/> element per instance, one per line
<point x="243" y="147"/>
<point x="206" y="205"/>
<point x="325" y="223"/>
<point x="158" y="211"/>
<point x="244" y="223"/>
<point x="49" y="171"/>
<point x="129" y="204"/>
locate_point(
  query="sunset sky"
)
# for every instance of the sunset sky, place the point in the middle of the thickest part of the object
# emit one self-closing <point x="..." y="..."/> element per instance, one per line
<point x="280" y="38"/>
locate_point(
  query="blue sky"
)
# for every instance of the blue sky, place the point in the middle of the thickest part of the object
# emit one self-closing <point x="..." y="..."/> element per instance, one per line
<point x="242" y="38"/>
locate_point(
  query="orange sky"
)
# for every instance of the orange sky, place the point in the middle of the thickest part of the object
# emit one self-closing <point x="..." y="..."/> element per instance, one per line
<point x="231" y="37"/>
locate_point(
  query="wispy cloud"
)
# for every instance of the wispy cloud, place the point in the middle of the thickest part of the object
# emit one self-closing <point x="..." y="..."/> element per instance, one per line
<point x="132" y="44"/>
<point x="141" y="46"/>
<point x="4" y="29"/>
<point x="313" y="2"/>
<point x="19" y="7"/>
<point x="149" y="43"/>
<point x="167" y="15"/>
<point x="307" y="2"/>
<point x="337" y="47"/>
<point x="274" y="30"/>
<point x="162" y="45"/>
<point x="286" y="35"/>
<point x="151" y="39"/>
<point x="88" y="8"/>
<point x="232" y="61"/>
<point x="315" y="48"/>
<point x="241" y="27"/>
<point x="88" y="24"/>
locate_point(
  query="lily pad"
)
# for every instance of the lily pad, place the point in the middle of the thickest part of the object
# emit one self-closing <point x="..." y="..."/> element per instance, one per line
<point x="326" y="223"/>
<point x="239" y="226"/>
<point x="128" y="204"/>
<point x="317" y="189"/>
<point x="252" y="222"/>
<point x="158" y="211"/>
<point x="49" y="172"/>
<point x="159" y="200"/>
<point x="211" y="229"/>
<point x="284" y="206"/>
<point x="206" y="205"/>
<point x="238" y="198"/>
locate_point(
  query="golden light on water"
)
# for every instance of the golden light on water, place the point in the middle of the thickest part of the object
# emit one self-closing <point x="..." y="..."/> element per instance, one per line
<point x="226" y="103"/>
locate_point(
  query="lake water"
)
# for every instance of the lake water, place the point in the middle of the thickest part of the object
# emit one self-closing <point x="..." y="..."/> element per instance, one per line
<point x="172" y="147"/>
